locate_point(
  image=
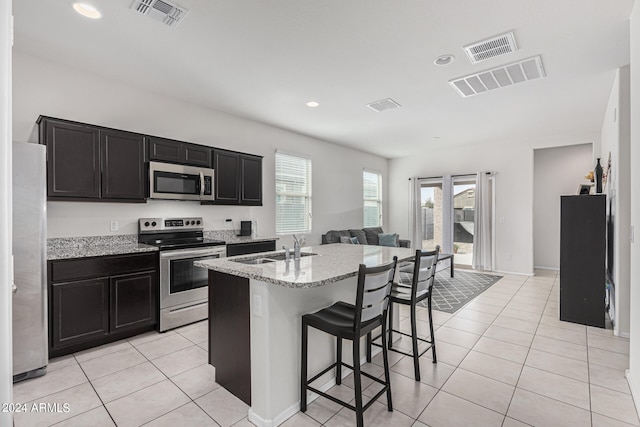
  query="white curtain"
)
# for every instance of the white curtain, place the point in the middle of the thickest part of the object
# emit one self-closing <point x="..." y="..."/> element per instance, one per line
<point x="482" y="223"/>
<point x="447" y="214"/>
<point x="415" y="213"/>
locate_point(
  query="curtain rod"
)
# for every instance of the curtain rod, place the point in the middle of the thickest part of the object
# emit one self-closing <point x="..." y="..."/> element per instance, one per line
<point x="454" y="176"/>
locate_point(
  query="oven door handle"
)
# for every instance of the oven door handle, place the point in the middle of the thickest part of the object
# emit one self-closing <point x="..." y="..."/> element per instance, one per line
<point x="178" y="254"/>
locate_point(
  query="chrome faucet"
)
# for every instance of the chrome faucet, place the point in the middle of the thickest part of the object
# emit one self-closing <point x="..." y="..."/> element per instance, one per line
<point x="296" y="248"/>
<point x="287" y="253"/>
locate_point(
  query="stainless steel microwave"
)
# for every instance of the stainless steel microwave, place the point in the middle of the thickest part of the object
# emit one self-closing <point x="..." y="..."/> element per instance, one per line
<point x="179" y="182"/>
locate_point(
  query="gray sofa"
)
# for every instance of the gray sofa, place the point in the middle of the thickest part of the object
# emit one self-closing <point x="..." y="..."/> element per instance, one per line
<point x="366" y="236"/>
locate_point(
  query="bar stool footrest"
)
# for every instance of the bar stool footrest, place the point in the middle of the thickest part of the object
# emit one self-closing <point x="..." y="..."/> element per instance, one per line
<point x="345" y="404"/>
<point x="424" y="340"/>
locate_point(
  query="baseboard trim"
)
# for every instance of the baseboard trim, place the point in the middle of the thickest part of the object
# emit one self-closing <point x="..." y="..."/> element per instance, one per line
<point x="514" y="273"/>
<point x="546" y="268"/>
<point x="295" y="408"/>
<point x="635" y="393"/>
<point x="617" y="333"/>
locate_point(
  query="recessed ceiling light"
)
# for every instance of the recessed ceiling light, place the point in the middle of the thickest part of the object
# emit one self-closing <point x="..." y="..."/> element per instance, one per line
<point x="87" y="10"/>
<point x="312" y="104"/>
<point x="444" y="60"/>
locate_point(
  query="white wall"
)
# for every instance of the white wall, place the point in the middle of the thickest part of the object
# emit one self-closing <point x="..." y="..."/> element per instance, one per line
<point x="634" y="295"/>
<point x="6" y="277"/>
<point x="556" y="171"/>
<point x="615" y="142"/>
<point x="513" y="162"/>
<point x="46" y="88"/>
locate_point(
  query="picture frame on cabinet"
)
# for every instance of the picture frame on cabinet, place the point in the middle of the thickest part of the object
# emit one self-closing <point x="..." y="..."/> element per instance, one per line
<point x="584" y="189"/>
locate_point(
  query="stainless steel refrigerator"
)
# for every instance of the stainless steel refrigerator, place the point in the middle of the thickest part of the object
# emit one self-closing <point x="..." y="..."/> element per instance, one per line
<point x="30" y="350"/>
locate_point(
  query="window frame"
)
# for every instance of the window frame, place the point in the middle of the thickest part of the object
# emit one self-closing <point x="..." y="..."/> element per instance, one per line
<point x="307" y="195"/>
<point x="378" y="200"/>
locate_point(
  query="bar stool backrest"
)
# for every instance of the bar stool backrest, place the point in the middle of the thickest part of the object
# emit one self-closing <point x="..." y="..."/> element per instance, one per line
<point x="424" y="271"/>
<point x="374" y="287"/>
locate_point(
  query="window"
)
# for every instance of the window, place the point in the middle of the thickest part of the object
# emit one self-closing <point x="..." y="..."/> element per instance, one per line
<point x="372" y="194"/>
<point x="293" y="194"/>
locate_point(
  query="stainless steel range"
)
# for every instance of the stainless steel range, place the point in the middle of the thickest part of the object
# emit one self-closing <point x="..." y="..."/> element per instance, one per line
<point x="183" y="286"/>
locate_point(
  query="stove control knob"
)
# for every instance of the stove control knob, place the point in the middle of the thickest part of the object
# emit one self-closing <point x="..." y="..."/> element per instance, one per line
<point x="153" y="224"/>
<point x="198" y="222"/>
<point x="146" y="224"/>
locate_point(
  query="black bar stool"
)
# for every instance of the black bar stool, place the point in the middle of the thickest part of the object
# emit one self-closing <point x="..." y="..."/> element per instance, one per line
<point x="347" y="321"/>
<point x="415" y="285"/>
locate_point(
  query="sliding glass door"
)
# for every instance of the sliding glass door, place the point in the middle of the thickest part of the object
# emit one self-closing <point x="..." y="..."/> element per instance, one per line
<point x="464" y="190"/>
<point x="448" y="215"/>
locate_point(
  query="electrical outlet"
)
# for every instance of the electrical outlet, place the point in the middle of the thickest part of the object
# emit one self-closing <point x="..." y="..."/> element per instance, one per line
<point x="257" y="305"/>
<point x="508" y="257"/>
<point x="113" y="226"/>
<point x="501" y="220"/>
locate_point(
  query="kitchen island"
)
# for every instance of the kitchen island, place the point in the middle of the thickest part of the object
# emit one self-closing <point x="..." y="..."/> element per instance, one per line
<point x="255" y="307"/>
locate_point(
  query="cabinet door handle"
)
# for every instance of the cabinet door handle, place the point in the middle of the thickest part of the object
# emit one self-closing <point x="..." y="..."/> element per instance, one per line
<point x="14" y="288"/>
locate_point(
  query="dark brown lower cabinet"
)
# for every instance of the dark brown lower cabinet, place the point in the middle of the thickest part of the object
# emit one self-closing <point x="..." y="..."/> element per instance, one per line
<point x="132" y="302"/>
<point x="80" y="311"/>
<point x="250" y="248"/>
<point x="93" y="301"/>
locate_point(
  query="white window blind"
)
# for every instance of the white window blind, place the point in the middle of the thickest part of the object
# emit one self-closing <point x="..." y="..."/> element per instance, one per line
<point x="293" y="194"/>
<point x="372" y="194"/>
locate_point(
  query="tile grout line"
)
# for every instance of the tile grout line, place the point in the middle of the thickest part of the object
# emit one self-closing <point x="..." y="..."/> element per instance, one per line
<point x="527" y="356"/>
<point x="440" y="389"/>
<point x="147" y="360"/>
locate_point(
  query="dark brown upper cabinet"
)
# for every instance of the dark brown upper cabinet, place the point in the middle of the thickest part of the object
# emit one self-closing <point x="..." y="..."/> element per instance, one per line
<point x="169" y="150"/>
<point x="238" y="178"/>
<point x="122" y="164"/>
<point x="89" y="162"/>
<point x="226" y="166"/>
<point x="93" y="163"/>
<point x="73" y="159"/>
<point x="250" y="180"/>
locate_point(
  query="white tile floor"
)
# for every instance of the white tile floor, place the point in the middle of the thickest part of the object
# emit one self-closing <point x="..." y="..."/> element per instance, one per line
<point x="505" y="360"/>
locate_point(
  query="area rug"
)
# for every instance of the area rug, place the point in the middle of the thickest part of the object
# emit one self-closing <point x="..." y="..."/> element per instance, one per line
<point x="451" y="293"/>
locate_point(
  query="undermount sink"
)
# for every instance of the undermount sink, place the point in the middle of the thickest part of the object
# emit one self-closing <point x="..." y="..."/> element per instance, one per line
<point x="268" y="258"/>
<point x="254" y="260"/>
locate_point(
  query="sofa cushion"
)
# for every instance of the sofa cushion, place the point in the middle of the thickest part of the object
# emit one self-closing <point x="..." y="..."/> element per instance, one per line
<point x="362" y="238"/>
<point x="388" y="239"/>
<point x="372" y="234"/>
<point x="333" y="236"/>
<point x="349" y="240"/>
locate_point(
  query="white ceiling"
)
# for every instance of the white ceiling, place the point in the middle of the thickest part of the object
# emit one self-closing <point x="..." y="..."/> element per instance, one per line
<point x="265" y="59"/>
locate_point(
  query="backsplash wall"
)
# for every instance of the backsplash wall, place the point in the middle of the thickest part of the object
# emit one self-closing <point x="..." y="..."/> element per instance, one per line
<point x="65" y="219"/>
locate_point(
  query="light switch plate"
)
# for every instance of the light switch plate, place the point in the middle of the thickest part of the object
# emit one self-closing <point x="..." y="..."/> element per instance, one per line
<point x="113" y="225"/>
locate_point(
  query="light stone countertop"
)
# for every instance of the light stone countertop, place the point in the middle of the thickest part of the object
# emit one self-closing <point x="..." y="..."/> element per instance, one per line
<point x="331" y="263"/>
<point x="94" y="246"/>
<point x="100" y="250"/>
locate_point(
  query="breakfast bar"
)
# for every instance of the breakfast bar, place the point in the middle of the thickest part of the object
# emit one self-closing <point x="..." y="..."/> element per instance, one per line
<point x="255" y="308"/>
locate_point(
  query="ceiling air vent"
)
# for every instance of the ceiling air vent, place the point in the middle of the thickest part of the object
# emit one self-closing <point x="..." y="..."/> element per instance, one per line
<point x="492" y="47"/>
<point x="383" y="105"/>
<point x="484" y="81"/>
<point x="166" y="12"/>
